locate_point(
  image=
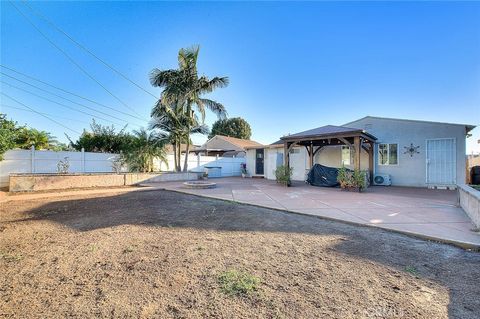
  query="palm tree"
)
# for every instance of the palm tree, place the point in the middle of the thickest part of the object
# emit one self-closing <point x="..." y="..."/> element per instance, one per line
<point x="146" y="146"/>
<point x="28" y="137"/>
<point x="183" y="88"/>
<point x="173" y="127"/>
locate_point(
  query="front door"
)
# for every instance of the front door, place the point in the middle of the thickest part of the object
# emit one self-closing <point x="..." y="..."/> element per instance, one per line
<point x="441" y="161"/>
<point x="259" y="159"/>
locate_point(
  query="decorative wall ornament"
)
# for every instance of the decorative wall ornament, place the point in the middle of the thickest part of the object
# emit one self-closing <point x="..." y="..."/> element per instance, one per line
<point x="411" y="149"/>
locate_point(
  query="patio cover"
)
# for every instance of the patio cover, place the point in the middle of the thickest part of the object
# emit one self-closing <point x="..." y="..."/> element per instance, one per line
<point x="330" y="135"/>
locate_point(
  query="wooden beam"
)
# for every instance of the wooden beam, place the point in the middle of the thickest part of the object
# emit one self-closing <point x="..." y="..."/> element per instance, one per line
<point x="370" y="163"/>
<point x="286" y="160"/>
<point x="357" y="148"/>
<point x="317" y="150"/>
<point x="344" y="140"/>
<point x="310" y="154"/>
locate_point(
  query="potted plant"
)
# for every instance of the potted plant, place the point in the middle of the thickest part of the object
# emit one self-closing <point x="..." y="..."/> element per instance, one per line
<point x="205" y="174"/>
<point x="243" y="168"/>
<point x="351" y="180"/>
<point x="283" y="175"/>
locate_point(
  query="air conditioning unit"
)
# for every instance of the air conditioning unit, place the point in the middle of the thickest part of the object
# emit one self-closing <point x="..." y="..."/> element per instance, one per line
<point x="382" y="179"/>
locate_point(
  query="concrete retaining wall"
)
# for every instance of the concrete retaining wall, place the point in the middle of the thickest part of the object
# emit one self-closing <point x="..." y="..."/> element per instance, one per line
<point x="470" y="202"/>
<point x="44" y="182"/>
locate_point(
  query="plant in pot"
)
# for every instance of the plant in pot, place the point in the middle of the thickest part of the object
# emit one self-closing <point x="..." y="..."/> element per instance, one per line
<point x="283" y="175"/>
<point x="243" y="168"/>
<point x="205" y="174"/>
<point x="351" y="180"/>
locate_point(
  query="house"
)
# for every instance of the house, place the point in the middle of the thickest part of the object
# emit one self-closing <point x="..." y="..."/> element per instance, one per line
<point x="411" y="152"/>
<point x="183" y="148"/>
<point x="225" y="146"/>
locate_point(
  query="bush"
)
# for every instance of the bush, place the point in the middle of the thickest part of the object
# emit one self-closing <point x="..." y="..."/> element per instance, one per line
<point x="351" y="179"/>
<point x="237" y="283"/>
<point x="283" y="175"/>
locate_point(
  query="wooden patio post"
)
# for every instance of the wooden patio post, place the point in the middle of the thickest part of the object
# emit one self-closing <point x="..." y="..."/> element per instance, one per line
<point x="370" y="162"/>
<point x="310" y="153"/>
<point x="286" y="160"/>
<point x="357" y="148"/>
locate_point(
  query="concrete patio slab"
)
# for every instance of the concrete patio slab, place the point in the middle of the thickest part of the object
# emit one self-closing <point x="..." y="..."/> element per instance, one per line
<point x="425" y="213"/>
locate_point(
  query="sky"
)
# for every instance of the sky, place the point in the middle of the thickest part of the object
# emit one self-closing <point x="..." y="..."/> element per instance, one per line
<point x="292" y="66"/>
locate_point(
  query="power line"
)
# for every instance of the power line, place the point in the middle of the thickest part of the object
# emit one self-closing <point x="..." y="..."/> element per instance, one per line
<point x="59" y="96"/>
<point x="48" y="21"/>
<point x="45" y="116"/>
<point x="71" y="59"/>
<point x="69" y="92"/>
<point x="61" y="104"/>
<point x="52" y="115"/>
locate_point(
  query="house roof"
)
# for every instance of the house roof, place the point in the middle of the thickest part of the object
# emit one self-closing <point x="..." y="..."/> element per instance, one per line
<point x="327" y="130"/>
<point x="467" y="126"/>
<point x="238" y="141"/>
<point x="183" y="148"/>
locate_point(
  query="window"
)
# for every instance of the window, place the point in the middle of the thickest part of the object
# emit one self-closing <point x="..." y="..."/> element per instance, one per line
<point x="388" y="154"/>
<point x="346" y="155"/>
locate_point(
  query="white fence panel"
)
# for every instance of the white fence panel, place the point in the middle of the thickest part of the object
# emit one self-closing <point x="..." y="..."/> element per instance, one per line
<point x="32" y="161"/>
<point x="231" y="166"/>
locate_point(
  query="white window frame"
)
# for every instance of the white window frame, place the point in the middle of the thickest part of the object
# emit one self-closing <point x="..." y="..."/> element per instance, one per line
<point x="349" y="155"/>
<point x="388" y="154"/>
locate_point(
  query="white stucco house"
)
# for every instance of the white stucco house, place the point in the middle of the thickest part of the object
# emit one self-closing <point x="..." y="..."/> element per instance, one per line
<point x="407" y="152"/>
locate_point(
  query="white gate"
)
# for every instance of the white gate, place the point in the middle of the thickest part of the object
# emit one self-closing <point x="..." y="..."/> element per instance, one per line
<point x="441" y="161"/>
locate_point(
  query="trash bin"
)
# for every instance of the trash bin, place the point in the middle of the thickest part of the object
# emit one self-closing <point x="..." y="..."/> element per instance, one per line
<point x="214" y="171"/>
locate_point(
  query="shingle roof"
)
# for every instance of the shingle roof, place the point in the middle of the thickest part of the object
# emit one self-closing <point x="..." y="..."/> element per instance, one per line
<point x="324" y="130"/>
<point x="239" y="142"/>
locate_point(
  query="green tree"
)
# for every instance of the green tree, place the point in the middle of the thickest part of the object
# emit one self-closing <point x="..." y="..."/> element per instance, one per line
<point x="233" y="127"/>
<point x="8" y="134"/>
<point x="184" y="89"/>
<point x="28" y="137"/>
<point x="172" y="127"/>
<point x="102" y="139"/>
<point x="145" y="147"/>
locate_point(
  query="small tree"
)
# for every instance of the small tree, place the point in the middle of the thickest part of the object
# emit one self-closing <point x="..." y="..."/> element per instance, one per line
<point x="146" y="146"/>
<point x="283" y="175"/>
<point x="8" y="134"/>
<point x="233" y="127"/>
<point x="103" y="139"/>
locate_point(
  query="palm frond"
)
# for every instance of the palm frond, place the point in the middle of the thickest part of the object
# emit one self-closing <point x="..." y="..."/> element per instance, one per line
<point x="161" y="78"/>
<point x="215" y="107"/>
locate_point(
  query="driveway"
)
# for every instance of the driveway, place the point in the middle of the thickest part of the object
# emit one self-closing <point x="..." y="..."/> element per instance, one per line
<point x="426" y="213"/>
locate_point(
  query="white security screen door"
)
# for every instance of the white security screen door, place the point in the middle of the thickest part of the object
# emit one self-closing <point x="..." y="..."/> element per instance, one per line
<point x="441" y="161"/>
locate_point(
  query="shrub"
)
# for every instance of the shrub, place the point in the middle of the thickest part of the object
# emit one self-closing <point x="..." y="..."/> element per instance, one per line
<point x="235" y="283"/>
<point x="283" y="175"/>
<point x="348" y="178"/>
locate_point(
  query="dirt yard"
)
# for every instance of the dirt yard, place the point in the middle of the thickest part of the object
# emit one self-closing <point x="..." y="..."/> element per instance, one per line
<point x="159" y="254"/>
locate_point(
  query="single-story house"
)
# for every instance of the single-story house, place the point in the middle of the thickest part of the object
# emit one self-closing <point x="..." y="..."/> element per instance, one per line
<point x="183" y="148"/>
<point x="225" y="146"/>
<point x="400" y="152"/>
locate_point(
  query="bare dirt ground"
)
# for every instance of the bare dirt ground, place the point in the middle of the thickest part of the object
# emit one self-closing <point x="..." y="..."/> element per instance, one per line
<point x="158" y="254"/>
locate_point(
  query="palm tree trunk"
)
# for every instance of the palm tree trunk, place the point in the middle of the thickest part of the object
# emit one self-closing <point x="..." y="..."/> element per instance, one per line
<point x="174" y="145"/>
<point x="185" y="165"/>
<point x="179" y="156"/>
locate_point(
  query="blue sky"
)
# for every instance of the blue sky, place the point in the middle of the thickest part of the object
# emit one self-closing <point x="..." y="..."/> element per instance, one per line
<point x="292" y="66"/>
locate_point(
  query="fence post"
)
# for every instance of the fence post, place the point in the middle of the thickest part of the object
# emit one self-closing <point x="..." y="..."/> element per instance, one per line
<point x="198" y="160"/>
<point x="83" y="160"/>
<point x="32" y="157"/>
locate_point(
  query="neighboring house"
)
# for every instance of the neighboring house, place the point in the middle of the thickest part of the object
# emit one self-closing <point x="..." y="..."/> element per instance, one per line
<point x="183" y="148"/>
<point x="225" y="146"/>
<point x="413" y="153"/>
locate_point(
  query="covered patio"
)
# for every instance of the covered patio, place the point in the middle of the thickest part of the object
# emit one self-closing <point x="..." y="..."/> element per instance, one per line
<point x="425" y="213"/>
<point x="316" y="139"/>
